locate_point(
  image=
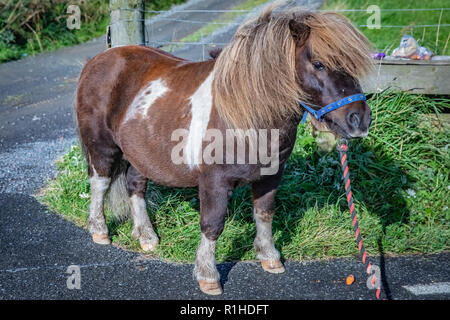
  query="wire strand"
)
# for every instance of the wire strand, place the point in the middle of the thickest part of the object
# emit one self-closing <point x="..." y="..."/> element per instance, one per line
<point x="318" y="10"/>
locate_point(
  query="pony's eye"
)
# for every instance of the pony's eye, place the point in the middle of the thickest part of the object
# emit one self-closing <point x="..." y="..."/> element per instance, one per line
<point x="318" y="66"/>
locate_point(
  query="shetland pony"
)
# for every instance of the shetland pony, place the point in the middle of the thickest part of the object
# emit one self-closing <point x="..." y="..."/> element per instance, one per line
<point x="145" y="114"/>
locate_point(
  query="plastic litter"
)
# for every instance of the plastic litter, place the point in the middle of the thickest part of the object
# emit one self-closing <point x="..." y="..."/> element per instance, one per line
<point x="410" y="49"/>
<point x="378" y="55"/>
<point x="349" y="280"/>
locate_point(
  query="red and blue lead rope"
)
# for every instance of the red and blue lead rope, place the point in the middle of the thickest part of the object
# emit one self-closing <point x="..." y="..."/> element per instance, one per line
<point x="343" y="148"/>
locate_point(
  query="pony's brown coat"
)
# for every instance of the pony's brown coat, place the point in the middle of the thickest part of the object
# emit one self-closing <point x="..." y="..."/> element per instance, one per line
<point x="257" y="81"/>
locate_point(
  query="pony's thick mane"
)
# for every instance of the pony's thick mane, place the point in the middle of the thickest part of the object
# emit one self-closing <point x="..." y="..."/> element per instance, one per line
<point x="255" y="79"/>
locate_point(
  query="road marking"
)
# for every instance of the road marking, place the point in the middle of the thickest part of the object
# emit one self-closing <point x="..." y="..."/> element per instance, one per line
<point x="425" y="289"/>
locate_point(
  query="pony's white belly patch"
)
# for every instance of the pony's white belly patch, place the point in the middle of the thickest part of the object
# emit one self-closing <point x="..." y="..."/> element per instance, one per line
<point x="201" y="104"/>
<point x="145" y="98"/>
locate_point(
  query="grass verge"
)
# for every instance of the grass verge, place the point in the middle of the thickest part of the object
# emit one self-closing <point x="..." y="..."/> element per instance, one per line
<point x="386" y="39"/>
<point x="400" y="182"/>
<point x="30" y="27"/>
<point x="225" y="18"/>
<point x="209" y="28"/>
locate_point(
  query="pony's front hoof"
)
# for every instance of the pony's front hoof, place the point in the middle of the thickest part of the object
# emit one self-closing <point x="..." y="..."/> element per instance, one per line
<point x="148" y="245"/>
<point x="100" y="238"/>
<point x="272" y="266"/>
<point x="211" y="288"/>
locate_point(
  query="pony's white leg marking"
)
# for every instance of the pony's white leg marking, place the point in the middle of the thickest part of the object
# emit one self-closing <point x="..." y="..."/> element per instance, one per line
<point x="142" y="227"/>
<point x="264" y="246"/>
<point x="145" y="98"/>
<point x="205" y="261"/>
<point x="201" y="102"/>
<point x="205" y="267"/>
<point x="97" y="224"/>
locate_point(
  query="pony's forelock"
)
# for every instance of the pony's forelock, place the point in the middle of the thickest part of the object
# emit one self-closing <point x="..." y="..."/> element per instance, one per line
<point x="255" y="79"/>
<point x="348" y="52"/>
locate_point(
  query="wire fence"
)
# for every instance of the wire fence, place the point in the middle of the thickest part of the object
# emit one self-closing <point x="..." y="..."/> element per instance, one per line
<point x="244" y="11"/>
<point x="172" y="19"/>
<point x="237" y="24"/>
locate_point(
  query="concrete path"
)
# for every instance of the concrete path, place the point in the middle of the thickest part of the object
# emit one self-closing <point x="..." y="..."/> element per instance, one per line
<point x="38" y="246"/>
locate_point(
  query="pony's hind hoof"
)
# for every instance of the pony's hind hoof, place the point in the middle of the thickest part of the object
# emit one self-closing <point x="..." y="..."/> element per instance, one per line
<point x="147" y="245"/>
<point x="100" y="238"/>
<point x="210" y="288"/>
<point x="272" y="266"/>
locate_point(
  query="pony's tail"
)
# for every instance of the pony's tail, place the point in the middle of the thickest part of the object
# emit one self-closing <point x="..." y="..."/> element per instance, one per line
<point x="117" y="199"/>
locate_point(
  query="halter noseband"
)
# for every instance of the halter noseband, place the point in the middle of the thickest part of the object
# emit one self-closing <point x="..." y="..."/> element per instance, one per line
<point x="318" y="114"/>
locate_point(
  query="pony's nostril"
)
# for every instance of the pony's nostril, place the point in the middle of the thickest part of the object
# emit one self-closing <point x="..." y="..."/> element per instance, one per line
<point x="354" y="119"/>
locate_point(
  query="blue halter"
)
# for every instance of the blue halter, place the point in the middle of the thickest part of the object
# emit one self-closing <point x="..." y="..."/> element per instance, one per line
<point x="318" y="114"/>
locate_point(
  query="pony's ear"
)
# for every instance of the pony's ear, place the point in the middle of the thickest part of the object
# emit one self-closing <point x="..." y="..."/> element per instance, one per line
<point x="299" y="31"/>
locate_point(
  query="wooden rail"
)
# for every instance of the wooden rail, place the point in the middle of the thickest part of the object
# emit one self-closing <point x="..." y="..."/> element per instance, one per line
<point x="415" y="76"/>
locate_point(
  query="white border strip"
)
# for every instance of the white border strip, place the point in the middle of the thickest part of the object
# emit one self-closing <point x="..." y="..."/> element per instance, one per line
<point x="426" y="289"/>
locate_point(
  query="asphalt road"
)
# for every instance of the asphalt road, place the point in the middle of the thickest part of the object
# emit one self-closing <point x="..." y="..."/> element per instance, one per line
<point x="37" y="246"/>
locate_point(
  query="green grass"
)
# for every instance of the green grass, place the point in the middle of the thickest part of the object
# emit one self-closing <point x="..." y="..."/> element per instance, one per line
<point x="31" y="27"/>
<point x="386" y="39"/>
<point x="225" y="18"/>
<point x="399" y="178"/>
<point x="46" y="30"/>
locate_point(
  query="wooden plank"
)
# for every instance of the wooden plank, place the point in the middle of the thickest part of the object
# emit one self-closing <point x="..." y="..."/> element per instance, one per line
<point x="415" y="76"/>
<point x="435" y="61"/>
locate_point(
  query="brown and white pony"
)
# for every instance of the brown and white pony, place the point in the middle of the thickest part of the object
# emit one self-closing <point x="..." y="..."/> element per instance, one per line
<point x="131" y="100"/>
